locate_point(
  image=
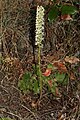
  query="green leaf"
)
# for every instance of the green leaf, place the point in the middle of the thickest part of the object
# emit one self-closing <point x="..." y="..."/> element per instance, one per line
<point x="59" y="77"/>
<point x="22" y="85"/>
<point x="65" y="81"/>
<point x="36" y="87"/>
<point x="26" y="79"/>
<point x="26" y="76"/>
<point x="50" y="66"/>
<point x="26" y="83"/>
<point x="67" y="9"/>
<point x="53" y="88"/>
<point x="53" y="13"/>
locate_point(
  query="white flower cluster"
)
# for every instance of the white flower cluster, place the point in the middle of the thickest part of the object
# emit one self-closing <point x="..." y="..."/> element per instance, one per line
<point x="39" y="26"/>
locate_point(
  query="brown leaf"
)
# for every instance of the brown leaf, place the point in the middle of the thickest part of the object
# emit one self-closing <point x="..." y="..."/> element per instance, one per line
<point x="71" y="60"/>
<point x="72" y="76"/>
<point x="66" y="17"/>
<point x="60" y="66"/>
<point x="34" y="104"/>
<point x="47" y="72"/>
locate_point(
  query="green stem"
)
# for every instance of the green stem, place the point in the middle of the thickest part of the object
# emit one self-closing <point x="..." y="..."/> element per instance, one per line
<point x="39" y="62"/>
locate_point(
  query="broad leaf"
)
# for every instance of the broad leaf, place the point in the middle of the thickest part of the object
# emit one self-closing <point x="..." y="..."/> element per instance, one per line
<point x="22" y="85"/>
<point x="26" y="76"/>
<point x="65" y="81"/>
<point x="35" y="87"/>
<point x="26" y="83"/>
<point x="59" y="77"/>
<point x="53" y="13"/>
<point x="67" y="9"/>
<point x="53" y="88"/>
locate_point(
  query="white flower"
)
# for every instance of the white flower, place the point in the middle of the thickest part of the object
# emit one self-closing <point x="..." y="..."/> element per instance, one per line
<point x="39" y="25"/>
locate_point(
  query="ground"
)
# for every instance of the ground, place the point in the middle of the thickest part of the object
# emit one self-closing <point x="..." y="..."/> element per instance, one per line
<point x="17" y="57"/>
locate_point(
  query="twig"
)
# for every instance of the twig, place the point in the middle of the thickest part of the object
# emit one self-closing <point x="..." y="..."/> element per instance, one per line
<point x="29" y="111"/>
<point x="13" y="114"/>
<point x="4" y="88"/>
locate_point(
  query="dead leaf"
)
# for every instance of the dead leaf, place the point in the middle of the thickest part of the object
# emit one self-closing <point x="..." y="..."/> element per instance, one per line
<point x="34" y="104"/>
<point x="66" y="17"/>
<point x="47" y="72"/>
<point x="71" y="60"/>
<point x="72" y="76"/>
<point x="60" y="66"/>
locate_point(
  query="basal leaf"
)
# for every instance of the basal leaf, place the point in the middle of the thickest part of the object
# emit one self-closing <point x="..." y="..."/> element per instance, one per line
<point x="59" y="77"/>
<point x="65" y="81"/>
<point x="26" y="76"/>
<point x="35" y="87"/>
<point x="22" y="85"/>
<point x="53" y="88"/>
